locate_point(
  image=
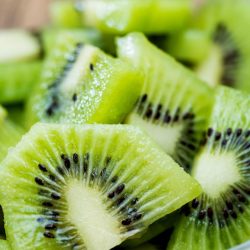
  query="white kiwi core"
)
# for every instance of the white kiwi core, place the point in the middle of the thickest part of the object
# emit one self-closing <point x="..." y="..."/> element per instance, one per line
<point x="79" y="69"/>
<point x="166" y="136"/>
<point x="96" y="226"/>
<point x="216" y="172"/>
<point x="212" y="68"/>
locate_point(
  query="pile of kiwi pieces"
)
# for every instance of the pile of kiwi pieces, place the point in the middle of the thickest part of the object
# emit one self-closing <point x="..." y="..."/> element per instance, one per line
<point x="126" y="125"/>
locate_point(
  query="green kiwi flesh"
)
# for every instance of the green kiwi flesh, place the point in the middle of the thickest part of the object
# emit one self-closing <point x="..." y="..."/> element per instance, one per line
<point x="64" y="14"/>
<point x="19" y="65"/>
<point x="81" y="84"/>
<point x="220" y="217"/>
<point x="148" y="16"/>
<point x="174" y="104"/>
<point x="87" y="186"/>
<point x="4" y="245"/>
<point x="228" y="60"/>
<point x="10" y="133"/>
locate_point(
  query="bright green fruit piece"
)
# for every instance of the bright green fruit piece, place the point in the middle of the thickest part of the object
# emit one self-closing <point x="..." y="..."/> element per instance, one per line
<point x="87" y="186"/>
<point x="4" y="245"/>
<point x="148" y="16"/>
<point x="10" y="134"/>
<point x="17" y="46"/>
<point x="220" y="217"/>
<point x="51" y="37"/>
<point x="174" y="104"/>
<point x="81" y="84"/>
<point x="64" y="14"/>
<point x="19" y="65"/>
<point x="228" y="60"/>
<point x="17" y="80"/>
<point x="191" y="45"/>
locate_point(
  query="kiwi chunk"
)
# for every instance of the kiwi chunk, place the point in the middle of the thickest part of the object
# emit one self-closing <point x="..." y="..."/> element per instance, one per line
<point x="64" y="14"/>
<point x="219" y="218"/>
<point x="19" y="65"/>
<point x="173" y="104"/>
<point x="87" y="186"/>
<point x="81" y="84"/>
<point x="148" y="16"/>
<point x="10" y="133"/>
<point x="226" y="23"/>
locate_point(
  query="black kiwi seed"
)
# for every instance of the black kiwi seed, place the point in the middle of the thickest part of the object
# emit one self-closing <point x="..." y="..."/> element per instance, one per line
<point x="210" y="213"/>
<point x="137" y="217"/>
<point x="75" y="158"/>
<point x="201" y="214"/>
<point x="119" y="188"/>
<point x="134" y="201"/>
<point x="91" y="67"/>
<point x="74" y="97"/>
<point x="60" y="170"/>
<point x="42" y="168"/>
<point x="238" y="132"/>
<point x="114" y="179"/>
<point x="225" y="214"/>
<point x="49" y="235"/>
<point x="229" y="131"/>
<point x="126" y="222"/>
<point x="47" y="204"/>
<point x="247" y="133"/>
<point x="149" y="111"/>
<point x="217" y="136"/>
<point x="229" y="204"/>
<point x="144" y="98"/>
<point x="111" y="195"/>
<point x="209" y="132"/>
<point x="50" y="226"/>
<point x="167" y="117"/>
<point x="66" y="162"/>
<point x="39" y="181"/>
<point x="55" y="196"/>
<point x="195" y="203"/>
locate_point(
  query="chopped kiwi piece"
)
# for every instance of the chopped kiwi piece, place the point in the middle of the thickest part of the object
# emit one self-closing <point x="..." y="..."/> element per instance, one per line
<point x="228" y="60"/>
<point x="173" y="105"/>
<point x="19" y="65"/>
<point x="220" y="217"/>
<point x="50" y="37"/>
<point x="87" y="186"/>
<point x="81" y="84"/>
<point x="148" y="16"/>
<point x="64" y="14"/>
<point x="191" y="45"/>
<point x="4" y="245"/>
<point x="10" y="134"/>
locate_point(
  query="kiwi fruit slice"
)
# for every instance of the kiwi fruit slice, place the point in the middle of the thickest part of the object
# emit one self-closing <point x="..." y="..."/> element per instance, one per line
<point x="10" y="133"/>
<point x="219" y="218"/>
<point x="228" y="58"/>
<point x="82" y="84"/>
<point x="64" y="14"/>
<point x="19" y="65"/>
<point x="173" y="105"/>
<point x="87" y="186"/>
<point x="148" y="16"/>
<point x="190" y="46"/>
<point x="4" y="245"/>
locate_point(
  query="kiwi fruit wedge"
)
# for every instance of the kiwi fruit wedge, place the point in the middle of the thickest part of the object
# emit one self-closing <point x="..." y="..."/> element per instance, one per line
<point x="10" y="133"/>
<point x="148" y="16"/>
<point x="228" y="59"/>
<point x="4" y="245"/>
<point x="82" y="84"/>
<point x="219" y="218"/>
<point x="19" y="64"/>
<point x="88" y="186"/>
<point x="64" y="14"/>
<point x="173" y="105"/>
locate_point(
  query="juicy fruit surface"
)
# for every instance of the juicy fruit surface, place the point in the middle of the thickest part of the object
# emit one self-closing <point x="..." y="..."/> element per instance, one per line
<point x="148" y="16"/>
<point x="4" y="245"/>
<point x="117" y="167"/>
<point x="219" y="218"/>
<point x="174" y="105"/>
<point x="81" y="84"/>
<point x="226" y="22"/>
